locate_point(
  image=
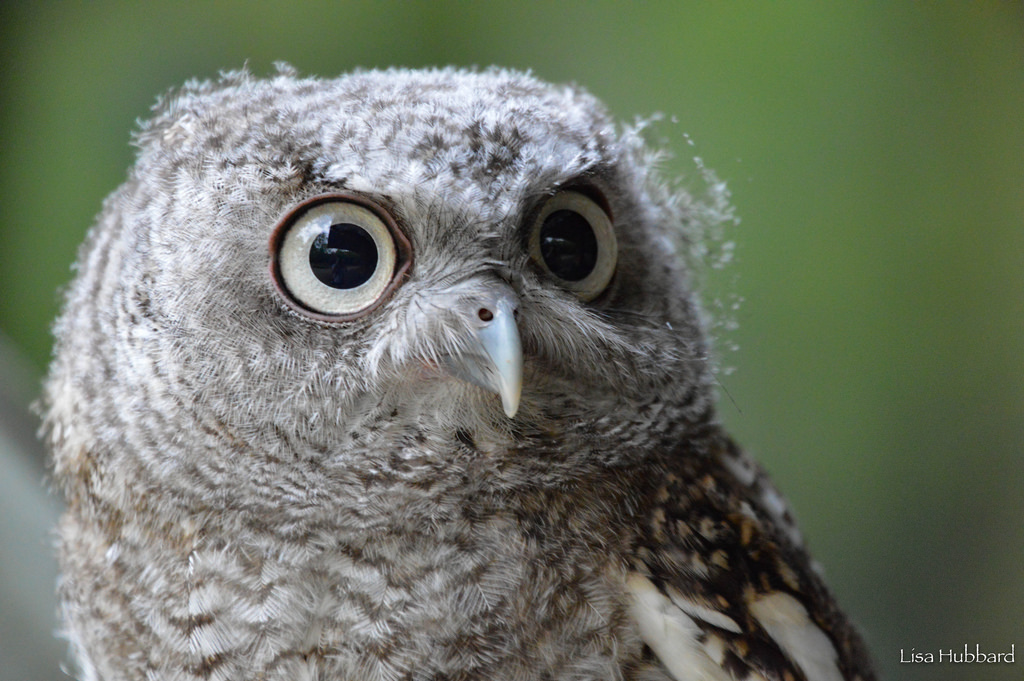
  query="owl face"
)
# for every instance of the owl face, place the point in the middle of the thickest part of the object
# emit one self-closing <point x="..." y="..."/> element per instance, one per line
<point x="309" y="265"/>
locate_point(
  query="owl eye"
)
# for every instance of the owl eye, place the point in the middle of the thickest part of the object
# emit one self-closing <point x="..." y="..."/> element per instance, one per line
<point x="336" y="257"/>
<point x="573" y="240"/>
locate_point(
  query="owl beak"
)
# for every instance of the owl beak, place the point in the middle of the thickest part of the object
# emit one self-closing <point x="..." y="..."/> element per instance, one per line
<point x="493" y="357"/>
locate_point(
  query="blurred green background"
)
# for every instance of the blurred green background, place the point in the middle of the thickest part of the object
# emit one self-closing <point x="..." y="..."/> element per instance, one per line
<point x="875" y="152"/>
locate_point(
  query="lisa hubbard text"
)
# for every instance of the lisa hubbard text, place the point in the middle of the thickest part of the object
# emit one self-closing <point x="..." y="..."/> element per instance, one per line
<point x="950" y="656"/>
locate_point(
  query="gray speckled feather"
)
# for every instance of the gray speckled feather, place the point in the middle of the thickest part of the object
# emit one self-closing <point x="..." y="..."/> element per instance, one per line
<point x="262" y="487"/>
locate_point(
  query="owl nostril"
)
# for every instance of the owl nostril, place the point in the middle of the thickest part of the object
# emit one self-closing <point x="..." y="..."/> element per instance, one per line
<point x="484" y="314"/>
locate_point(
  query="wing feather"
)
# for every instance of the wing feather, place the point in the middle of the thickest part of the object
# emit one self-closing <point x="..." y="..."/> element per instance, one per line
<point x="806" y="645"/>
<point x="682" y="646"/>
<point x="722" y="587"/>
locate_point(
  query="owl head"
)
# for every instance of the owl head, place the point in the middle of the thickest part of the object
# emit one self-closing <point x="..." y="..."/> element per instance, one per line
<point x="324" y="275"/>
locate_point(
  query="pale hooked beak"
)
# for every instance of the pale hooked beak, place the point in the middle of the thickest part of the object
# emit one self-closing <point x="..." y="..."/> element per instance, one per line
<point x="493" y="356"/>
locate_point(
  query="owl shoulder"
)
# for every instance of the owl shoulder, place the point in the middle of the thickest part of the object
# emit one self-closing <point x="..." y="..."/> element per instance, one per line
<point x="722" y="587"/>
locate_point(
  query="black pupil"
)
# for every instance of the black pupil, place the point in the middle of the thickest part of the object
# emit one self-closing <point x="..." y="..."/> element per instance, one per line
<point x="344" y="256"/>
<point x="568" y="245"/>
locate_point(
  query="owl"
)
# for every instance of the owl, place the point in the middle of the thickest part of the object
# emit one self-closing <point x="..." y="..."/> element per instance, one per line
<point x="401" y="376"/>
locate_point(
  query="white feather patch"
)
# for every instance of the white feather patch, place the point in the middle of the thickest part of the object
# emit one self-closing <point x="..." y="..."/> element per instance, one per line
<point x="701" y="612"/>
<point x="807" y="646"/>
<point x="672" y="634"/>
